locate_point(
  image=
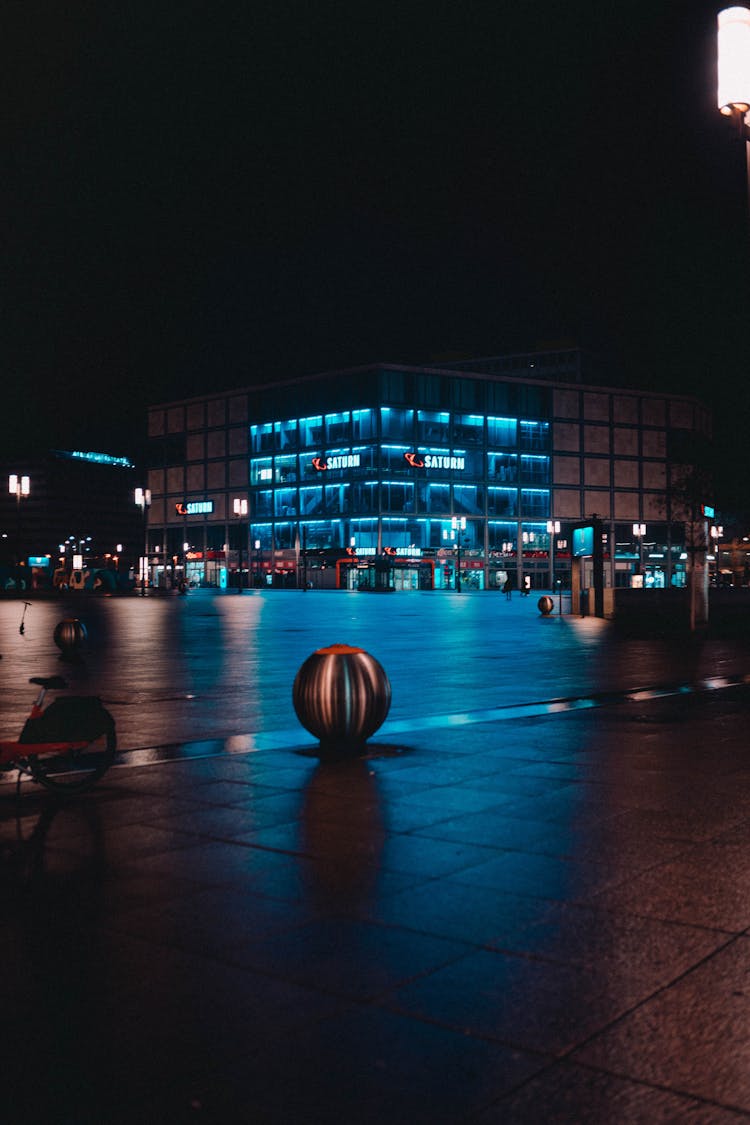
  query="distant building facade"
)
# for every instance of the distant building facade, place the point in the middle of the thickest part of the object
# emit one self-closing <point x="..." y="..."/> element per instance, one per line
<point x="420" y="472"/>
<point x="79" y="506"/>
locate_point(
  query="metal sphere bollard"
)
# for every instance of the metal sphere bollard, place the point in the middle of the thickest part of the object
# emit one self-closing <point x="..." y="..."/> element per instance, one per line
<point x="341" y="695"/>
<point x="545" y="605"/>
<point x="69" y="633"/>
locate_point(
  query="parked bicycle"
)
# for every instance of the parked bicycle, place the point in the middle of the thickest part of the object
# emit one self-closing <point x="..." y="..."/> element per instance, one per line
<point x="67" y="747"/>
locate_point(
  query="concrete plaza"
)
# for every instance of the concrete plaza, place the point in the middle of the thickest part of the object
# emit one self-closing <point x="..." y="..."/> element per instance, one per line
<point x="530" y="901"/>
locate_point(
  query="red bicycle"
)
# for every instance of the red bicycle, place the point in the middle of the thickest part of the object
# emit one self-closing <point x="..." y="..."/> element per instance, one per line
<point x="68" y="746"/>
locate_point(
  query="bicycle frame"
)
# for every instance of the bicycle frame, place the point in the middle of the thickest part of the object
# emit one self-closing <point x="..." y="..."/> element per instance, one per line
<point x="11" y="750"/>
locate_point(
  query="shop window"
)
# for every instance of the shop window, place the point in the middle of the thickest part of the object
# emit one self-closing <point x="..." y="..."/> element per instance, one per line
<point x="393" y="461"/>
<point x="337" y="427"/>
<point x="284" y="535"/>
<point x="500" y="534"/>
<point x="501" y="432"/>
<point x="365" y="533"/>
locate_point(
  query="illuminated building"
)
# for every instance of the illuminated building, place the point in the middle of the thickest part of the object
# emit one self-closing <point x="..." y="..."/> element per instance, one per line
<point x="353" y="472"/>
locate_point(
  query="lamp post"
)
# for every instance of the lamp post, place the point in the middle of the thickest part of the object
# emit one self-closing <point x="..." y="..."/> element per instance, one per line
<point x="733" y="42"/>
<point x="553" y="529"/>
<point x="240" y="509"/>
<point x="458" y="524"/>
<point x="639" y="530"/>
<point x="716" y="532"/>
<point x="143" y="501"/>
<point x="20" y="487"/>
<point x="259" y="563"/>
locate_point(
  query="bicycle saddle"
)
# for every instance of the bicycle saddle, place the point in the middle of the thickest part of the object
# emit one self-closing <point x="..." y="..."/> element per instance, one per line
<point x="55" y="682"/>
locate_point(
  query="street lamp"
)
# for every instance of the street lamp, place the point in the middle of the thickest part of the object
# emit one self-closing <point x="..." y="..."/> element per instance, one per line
<point x="639" y="530"/>
<point x="733" y="69"/>
<point x="259" y="563"/>
<point x="20" y="487"/>
<point x="458" y="524"/>
<point x="553" y="529"/>
<point x="716" y="532"/>
<point x="143" y="501"/>
<point x="240" y="510"/>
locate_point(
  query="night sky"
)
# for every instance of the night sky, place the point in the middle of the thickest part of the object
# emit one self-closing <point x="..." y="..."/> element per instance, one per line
<point x="204" y="195"/>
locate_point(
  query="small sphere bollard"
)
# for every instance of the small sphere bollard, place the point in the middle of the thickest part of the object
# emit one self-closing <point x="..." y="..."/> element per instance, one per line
<point x="69" y="633"/>
<point x="545" y="605"/>
<point x="341" y="695"/>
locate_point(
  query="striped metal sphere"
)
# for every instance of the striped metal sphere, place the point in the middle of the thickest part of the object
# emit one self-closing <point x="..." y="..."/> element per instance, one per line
<point x="545" y="605"/>
<point x="341" y="695"/>
<point x="69" y="633"/>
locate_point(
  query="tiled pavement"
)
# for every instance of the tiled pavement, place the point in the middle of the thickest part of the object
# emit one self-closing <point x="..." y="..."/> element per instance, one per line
<point x="543" y="920"/>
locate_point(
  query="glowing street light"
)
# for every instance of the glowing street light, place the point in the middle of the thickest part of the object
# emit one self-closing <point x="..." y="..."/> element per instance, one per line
<point x="143" y="501"/>
<point x="734" y="72"/>
<point x="20" y="487"/>
<point x="239" y="508"/>
<point x="639" y="530"/>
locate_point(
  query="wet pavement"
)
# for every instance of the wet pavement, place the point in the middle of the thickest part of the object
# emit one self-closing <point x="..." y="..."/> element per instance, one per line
<point x="530" y="902"/>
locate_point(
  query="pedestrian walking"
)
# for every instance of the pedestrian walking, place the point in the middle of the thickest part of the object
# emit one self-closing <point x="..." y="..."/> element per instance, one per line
<point x="508" y="587"/>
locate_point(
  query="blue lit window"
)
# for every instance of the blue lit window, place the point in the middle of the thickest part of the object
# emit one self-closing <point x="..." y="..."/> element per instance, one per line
<point x="337" y="498"/>
<point x="261" y="470"/>
<point x="468" y="429"/>
<point x="534" y="435"/>
<point x="311" y="431"/>
<point x="365" y="533"/>
<point x="433" y="426"/>
<point x="502" y="501"/>
<point x="337" y="427"/>
<point x="311" y="501"/>
<point x="285" y="502"/>
<point x="262" y="503"/>
<point x="363" y="424"/>
<point x="502" y="467"/>
<point x="396" y="423"/>
<point x="307" y="470"/>
<point x="534" y="469"/>
<point x="535" y="501"/>
<point x="397" y="496"/>
<point x="287" y="434"/>
<point x="501" y="431"/>
<point x="364" y="497"/>
<point x="261" y="532"/>
<point x="286" y="469"/>
<point x="500" y="533"/>
<point x="261" y="438"/>
<point x="284" y="535"/>
<point x="468" y="499"/>
<point x="435" y="498"/>
<point x="393" y="460"/>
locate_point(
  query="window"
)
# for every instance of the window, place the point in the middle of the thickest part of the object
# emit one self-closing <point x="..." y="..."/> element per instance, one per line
<point x="502" y="467"/>
<point x="468" y="499"/>
<point x="261" y="503"/>
<point x="468" y="429"/>
<point x="396" y="423"/>
<point x="337" y="498"/>
<point x="288" y="434"/>
<point x="398" y="496"/>
<point x="261" y="438"/>
<point x="261" y="471"/>
<point x="502" y="501"/>
<point x="534" y="469"/>
<point x="286" y="469"/>
<point x="501" y="432"/>
<point x="535" y="501"/>
<point x="363" y="424"/>
<point x="311" y="501"/>
<point x="534" y="435"/>
<point x="432" y="426"/>
<point x="311" y="431"/>
<point x="435" y="498"/>
<point x="285" y="502"/>
<point x="337" y="427"/>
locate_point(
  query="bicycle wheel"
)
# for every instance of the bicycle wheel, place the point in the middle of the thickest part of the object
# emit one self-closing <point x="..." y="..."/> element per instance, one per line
<point x="77" y="770"/>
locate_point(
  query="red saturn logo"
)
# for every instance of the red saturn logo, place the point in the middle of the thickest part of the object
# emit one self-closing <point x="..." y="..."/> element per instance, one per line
<point x="319" y="463"/>
<point x="414" y="460"/>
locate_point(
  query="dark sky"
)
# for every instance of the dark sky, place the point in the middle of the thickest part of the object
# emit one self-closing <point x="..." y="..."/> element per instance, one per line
<point x="210" y="194"/>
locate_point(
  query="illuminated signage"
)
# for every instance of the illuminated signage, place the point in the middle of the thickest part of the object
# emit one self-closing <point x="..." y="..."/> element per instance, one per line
<point x="583" y="541"/>
<point x="708" y="511"/>
<point x="338" y="461"/>
<point x="38" y="560"/>
<point x="96" y="458"/>
<point x="435" y="461"/>
<point x="195" y="508"/>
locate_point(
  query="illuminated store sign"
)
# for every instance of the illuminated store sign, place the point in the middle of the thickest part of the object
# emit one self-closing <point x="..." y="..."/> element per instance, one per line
<point x="195" y="508"/>
<point x="339" y="461"/>
<point x="435" y="461"/>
